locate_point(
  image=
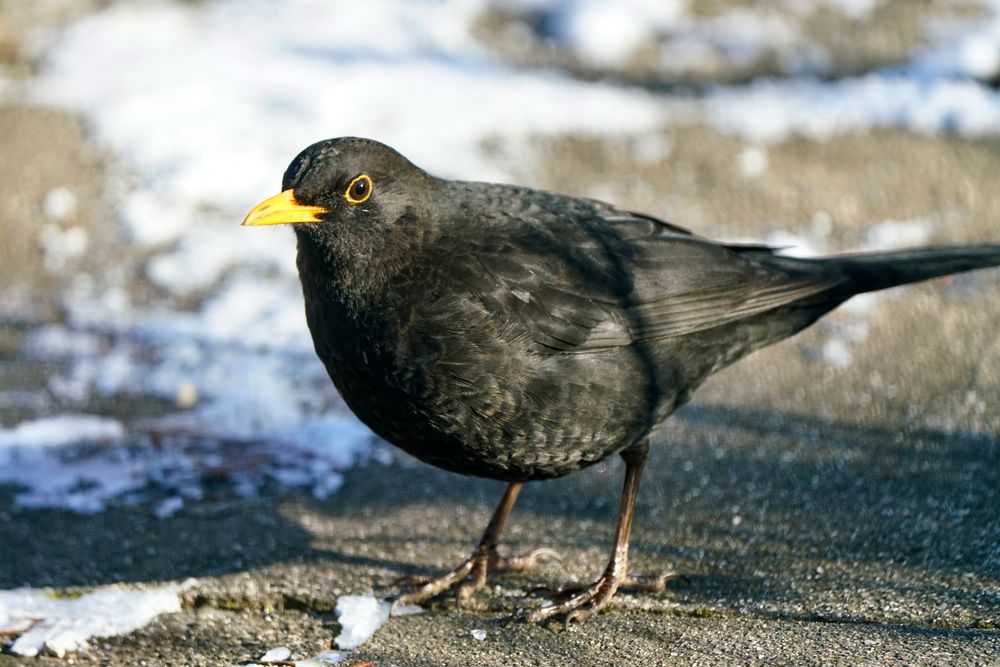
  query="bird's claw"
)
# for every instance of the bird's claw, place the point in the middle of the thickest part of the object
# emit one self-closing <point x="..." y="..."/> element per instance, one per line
<point x="470" y="576"/>
<point x="580" y="603"/>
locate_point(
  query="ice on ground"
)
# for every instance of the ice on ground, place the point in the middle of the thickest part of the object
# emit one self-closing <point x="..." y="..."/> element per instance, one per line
<point x="360" y="616"/>
<point x="44" y="623"/>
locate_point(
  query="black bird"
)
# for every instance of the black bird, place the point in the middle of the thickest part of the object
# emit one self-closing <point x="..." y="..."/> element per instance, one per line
<point x="517" y="334"/>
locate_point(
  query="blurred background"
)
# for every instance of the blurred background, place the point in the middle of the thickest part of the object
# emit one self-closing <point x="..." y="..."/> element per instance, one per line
<point x="154" y="355"/>
<point x="137" y="134"/>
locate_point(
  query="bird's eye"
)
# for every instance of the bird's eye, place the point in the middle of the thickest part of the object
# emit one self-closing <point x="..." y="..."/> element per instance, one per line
<point x="358" y="190"/>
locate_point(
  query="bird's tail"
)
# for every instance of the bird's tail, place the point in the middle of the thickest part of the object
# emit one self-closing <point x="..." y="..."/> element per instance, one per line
<point x="868" y="272"/>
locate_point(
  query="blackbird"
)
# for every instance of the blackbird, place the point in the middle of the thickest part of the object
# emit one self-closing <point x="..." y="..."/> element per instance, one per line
<point x="517" y="334"/>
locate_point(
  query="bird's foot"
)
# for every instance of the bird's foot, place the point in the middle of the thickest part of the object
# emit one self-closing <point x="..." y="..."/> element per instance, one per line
<point x="470" y="576"/>
<point x="580" y="603"/>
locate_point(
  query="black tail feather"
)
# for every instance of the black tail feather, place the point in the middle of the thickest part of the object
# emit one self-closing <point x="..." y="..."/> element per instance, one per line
<point x="868" y="272"/>
<point x="874" y="271"/>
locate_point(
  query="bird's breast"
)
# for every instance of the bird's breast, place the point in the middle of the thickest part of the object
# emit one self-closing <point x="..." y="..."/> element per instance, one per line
<point x="440" y="377"/>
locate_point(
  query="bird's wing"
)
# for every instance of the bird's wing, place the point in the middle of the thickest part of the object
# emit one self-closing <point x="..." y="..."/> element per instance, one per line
<point x="615" y="278"/>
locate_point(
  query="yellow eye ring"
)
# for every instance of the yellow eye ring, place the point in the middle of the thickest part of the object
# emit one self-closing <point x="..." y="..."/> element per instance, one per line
<point x="359" y="190"/>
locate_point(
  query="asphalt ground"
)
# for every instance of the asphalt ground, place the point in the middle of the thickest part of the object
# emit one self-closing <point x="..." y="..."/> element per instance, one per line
<point x="821" y="515"/>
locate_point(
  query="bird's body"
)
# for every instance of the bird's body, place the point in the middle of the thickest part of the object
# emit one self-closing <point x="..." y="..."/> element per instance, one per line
<point x="518" y="334"/>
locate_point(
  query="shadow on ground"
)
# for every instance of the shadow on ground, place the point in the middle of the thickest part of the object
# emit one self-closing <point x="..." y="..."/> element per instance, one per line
<point x="775" y="515"/>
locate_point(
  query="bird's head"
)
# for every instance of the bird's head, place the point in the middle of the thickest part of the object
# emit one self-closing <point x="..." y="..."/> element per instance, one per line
<point x="343" y="186"/>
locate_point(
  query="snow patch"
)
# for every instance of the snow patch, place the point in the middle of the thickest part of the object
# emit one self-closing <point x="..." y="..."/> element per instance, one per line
<point x="360" y="616"/>
<point x="234" y="88"/>
<point x="55" y="626"/>
<point x="57" y="431"/>
<point x="239" y="364"/>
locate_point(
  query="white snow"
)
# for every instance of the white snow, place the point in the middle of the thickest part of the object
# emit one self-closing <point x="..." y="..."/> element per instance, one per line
<point x="52" y="625"/>
<point x="233" y="90"/>
<point x="970" y="49"/>
<point x="71" y="461"/>
<point x="894" y="234"/>
<point x="59" y="204"/>
<point x="205" y="103"/>
<point x="739" y="37"/>
<point x="752" y="161"/>
<point x="608" y="34"/>
<point x="57" y="431"/>
<point x="323" y="659"/>
<point x="837" y="353"/>
<point x="772" y="110"/>
<point x="795" y="244"/>
<point x="937" y="93"/>
<point x="277" y="654"/>
<point x="61" y="245"/>
<point x="360" y="616"/>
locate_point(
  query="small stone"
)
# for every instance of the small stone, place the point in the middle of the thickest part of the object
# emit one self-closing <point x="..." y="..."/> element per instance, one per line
<point x="479" y="635"/>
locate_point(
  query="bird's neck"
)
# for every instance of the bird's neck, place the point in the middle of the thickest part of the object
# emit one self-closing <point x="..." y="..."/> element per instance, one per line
<point x="356" y="273"/>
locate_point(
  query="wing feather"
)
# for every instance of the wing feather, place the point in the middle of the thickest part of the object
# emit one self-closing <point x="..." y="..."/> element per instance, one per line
<point x="576" y="282"/>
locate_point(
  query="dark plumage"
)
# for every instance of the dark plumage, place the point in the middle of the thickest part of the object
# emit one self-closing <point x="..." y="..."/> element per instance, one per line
<point x="517" y="334"/>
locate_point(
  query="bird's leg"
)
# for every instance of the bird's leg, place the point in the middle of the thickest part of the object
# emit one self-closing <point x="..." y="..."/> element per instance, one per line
<point x="470" y="576"/>
<point x="591" y="599"/>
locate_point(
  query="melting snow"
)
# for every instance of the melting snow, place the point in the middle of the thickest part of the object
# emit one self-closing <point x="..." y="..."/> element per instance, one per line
<point x="52" y="625"/>
<point x="360" y="616"/>
<point x="217" y="98"/>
